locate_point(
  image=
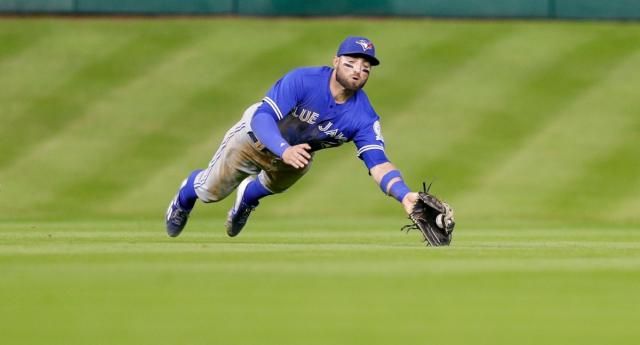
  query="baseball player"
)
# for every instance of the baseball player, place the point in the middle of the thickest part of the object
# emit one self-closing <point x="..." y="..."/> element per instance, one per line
<point x="273" y="145"/>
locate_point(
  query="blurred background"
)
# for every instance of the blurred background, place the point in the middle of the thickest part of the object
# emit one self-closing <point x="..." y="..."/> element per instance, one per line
<point x="517" y="121"/>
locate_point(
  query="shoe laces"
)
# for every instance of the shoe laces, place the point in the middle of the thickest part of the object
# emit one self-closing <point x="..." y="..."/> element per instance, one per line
<point x="244" y="214"/>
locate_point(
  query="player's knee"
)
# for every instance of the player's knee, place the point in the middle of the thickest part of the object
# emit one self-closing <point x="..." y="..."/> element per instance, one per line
<point x="280" y="182"/>
<point x="271" y="185"/>
<point x="277" y="189"/>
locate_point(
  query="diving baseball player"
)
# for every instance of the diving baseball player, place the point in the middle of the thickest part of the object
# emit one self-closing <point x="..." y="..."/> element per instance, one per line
<point x="273" y="145"/>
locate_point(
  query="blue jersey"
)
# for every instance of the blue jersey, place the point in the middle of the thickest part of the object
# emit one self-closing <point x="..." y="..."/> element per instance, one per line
<point x="306" y="112"/>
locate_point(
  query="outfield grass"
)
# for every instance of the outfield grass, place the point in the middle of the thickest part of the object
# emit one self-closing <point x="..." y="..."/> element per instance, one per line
<point x="530" y="129"/>
<point x="332" y="282"/>
<point x="532" y="122"/>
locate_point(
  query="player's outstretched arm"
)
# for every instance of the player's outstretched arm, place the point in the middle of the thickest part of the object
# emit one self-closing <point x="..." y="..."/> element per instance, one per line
<point x="433" y="217"/>
<point x="390" y="181"/>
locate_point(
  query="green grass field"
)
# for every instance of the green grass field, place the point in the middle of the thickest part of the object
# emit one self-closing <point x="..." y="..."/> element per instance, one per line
<point x="325" y="282"/>
<point x="529" y="128"/>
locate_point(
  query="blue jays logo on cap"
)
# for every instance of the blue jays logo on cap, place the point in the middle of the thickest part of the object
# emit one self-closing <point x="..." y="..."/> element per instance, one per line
<point x="365" y="44"/>
<point x="359" y="46"/>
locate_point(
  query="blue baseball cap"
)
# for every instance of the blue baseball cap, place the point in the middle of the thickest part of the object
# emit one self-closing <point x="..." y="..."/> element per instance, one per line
<point x="359" y="46"/>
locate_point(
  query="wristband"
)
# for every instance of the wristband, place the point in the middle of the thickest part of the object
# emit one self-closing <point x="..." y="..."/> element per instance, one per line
<point x="399" y="190"/>
<point x="384" y="182"/>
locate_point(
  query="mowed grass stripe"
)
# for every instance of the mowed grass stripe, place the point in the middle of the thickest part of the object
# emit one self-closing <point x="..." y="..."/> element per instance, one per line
<point x="587" y="128"/>
<point x="626" y="208"/>
<point x="606" y="181"/>
<point x="36" y="72"/>
<point x="526" y="108"/>
<point x="15" y="38"/>
<point x="288" y="233"/>
<point x="96" y="246"/>
<point x="448" y="115"/>
<point x="430" y="54"/>
<point x="306" y="268"/>
<point x="85" y="136"/>
<point x="49" y="115"/>
<point x="144" y="132"/>
<point x="49" y="60"/>
<point x="608" y="174"/>
<point x="315" y="252"/>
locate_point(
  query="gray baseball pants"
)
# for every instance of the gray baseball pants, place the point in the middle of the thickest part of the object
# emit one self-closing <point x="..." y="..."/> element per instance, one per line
<point x="241" y="155"/>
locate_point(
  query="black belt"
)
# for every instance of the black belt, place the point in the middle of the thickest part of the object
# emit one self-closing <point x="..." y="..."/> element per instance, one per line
<point x="253" y="137"/>
<point x="260" y="146"/>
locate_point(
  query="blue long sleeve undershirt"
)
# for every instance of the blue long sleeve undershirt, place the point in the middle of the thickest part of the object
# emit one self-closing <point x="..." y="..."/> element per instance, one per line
<point x="265" y="128"/>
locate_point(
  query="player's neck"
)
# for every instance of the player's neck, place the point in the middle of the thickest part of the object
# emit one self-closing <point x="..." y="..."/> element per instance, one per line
<point x="339" y="93"/>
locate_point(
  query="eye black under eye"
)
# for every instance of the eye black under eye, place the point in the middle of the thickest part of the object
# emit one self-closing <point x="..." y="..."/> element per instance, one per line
<point x="348" y="65"/>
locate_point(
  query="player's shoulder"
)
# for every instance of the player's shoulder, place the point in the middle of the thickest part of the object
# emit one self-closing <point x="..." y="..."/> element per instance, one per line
<point x="365" y="108"/>
<point x="310" y="71"/>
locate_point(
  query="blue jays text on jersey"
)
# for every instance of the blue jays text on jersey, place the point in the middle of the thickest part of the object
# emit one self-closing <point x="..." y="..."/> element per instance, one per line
<point x="306" y="112"/>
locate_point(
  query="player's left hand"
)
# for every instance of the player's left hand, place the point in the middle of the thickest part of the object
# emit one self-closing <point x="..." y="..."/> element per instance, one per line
<point x="297" y="156"/>
<point x="409" y="201"/>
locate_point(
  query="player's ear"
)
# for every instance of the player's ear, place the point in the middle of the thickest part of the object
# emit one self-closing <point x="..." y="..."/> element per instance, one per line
<point x="335" y="61"/>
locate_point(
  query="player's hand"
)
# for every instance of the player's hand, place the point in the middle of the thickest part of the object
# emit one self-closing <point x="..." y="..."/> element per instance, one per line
<point x="409" y="201"/>
<point x="297" y="155"/>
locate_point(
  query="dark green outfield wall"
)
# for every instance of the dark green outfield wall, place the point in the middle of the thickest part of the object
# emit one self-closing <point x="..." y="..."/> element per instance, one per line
<point x="571" y="9"/>
<point x="455" y="8"/>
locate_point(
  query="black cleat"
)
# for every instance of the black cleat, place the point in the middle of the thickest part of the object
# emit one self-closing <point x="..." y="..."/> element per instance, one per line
<point x="239" y="213"/>
<point x="176" y="217"/>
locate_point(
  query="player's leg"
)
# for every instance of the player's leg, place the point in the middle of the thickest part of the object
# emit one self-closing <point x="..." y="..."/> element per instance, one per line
<point x="232" y="163"/>
<point x="282" y="176"/>
<point x="228" y="167"/>
<point x="248" y="193"/>
<point x="276" y="177"/>
<point x="181" y="206"/>
<point x="225" y="172"/>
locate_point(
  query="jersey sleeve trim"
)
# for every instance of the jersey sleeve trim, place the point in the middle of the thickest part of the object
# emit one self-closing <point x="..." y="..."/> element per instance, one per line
<point x="370" y="147"/>
<point x="274" y="106"/>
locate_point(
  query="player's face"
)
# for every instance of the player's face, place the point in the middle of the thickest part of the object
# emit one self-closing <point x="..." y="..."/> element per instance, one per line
<point x="352" y="72"/>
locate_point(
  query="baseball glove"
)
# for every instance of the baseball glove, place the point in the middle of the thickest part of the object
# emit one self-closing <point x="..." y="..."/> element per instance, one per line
<point x="434" y="219"/>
